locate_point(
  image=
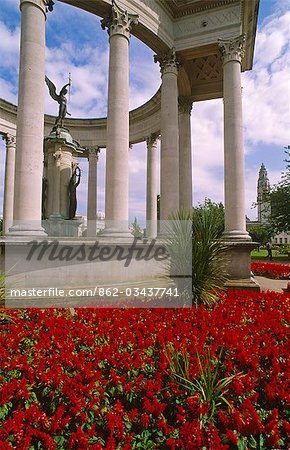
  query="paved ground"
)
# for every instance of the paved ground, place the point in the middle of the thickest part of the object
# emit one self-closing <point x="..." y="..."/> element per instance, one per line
<point x="268" y="284"/>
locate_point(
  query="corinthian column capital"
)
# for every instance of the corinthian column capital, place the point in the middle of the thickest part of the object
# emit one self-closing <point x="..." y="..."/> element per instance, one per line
<point x="185" y="105"/>
<point x="152" y="140"/>
<point x="119" y="21"/>
<point x="232" y="49"/>
<point x="44" y="5"/>
<point x="93" y="152"/>
<point x="9" y="139"/>
<point x="168" y="62"/>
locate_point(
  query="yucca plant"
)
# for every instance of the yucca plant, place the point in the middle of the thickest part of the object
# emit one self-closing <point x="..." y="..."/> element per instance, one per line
<point x="208" y="256"/>
<point x="193" y="239"/>
<point x="177" y="236"/>
<point x="209" y="384"/>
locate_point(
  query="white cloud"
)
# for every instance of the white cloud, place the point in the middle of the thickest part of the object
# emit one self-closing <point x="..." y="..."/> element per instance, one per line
<point x="144" y="80"/>
<point x="207" y="134"/>
<point x="89" y="81"/>
<point x="10" y="4"/>
<point x="266" y="87"/>
<point x="8" y="91"/>
<point x="9" y="46"/>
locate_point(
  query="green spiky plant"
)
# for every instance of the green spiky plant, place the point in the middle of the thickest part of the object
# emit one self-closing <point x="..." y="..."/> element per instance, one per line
<point x="209" y="384"/>
<point x="195" y="237"/>
<point x="208" y="256"/>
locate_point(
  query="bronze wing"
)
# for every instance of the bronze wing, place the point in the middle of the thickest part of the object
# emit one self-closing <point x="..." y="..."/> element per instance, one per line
<point x="52" y="89"/>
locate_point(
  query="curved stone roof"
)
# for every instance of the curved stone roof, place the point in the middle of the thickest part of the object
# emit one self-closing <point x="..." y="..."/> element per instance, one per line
<point x="193" y="27"/>
<point x="144" y="120"/>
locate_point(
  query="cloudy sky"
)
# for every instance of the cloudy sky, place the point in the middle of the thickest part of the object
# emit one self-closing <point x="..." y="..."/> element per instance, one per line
<point x="77" y="44"/>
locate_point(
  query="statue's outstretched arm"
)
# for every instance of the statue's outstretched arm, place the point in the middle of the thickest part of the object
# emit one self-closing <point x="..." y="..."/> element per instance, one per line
<point x="64" y="87"/>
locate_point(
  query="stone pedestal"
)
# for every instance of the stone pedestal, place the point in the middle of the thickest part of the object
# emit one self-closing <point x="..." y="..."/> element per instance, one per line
<point x="86" y="271"/>
<point x="60" y="160"/>
<point x="239" y="266"/>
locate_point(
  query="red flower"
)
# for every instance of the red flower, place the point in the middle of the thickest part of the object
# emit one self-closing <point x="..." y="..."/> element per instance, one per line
<point x="232" y="436"/>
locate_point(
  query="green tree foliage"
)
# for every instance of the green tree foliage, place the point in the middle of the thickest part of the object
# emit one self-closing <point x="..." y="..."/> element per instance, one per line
<point x="280" y="200"/>
<point x="260" y="233"/>
<point x="215" y="212"/>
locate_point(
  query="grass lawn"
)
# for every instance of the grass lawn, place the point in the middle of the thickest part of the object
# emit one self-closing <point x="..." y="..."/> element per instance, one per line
<point x="255" y="255"/>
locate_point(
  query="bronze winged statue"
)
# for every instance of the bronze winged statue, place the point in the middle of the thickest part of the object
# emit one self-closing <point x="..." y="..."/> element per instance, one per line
<point x="60" y="99"/>
<point x="72" y="191"/>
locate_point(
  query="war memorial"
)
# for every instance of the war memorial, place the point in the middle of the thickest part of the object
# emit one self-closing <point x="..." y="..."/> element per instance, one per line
<point x="201" y="47"/>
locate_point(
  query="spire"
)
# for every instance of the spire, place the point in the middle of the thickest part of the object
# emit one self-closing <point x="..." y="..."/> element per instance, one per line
<point x="263" y="190"/>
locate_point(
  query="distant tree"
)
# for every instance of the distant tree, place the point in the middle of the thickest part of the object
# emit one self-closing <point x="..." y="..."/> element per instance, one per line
<point x="260" y="233"/>
<point x="215" y="211"/>
<point x="280" y="200"/>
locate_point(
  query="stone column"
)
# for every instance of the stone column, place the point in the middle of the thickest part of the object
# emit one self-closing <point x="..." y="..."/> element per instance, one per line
<point x="151" y="188"/>
<point x="9" y="182"/>
<point x="185" y="160"/>
<point x="92" y="192"/>
<point x="117" y="170"/>
<point x="235" y="214"/>
<point x="30" y="114"/>
<point x="169" y="166"/>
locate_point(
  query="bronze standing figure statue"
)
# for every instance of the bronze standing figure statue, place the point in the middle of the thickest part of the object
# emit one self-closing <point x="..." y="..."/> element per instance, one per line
<point x="72" y="191"/>
<point x="60" y="99"/>
<point x="44" y="196"/>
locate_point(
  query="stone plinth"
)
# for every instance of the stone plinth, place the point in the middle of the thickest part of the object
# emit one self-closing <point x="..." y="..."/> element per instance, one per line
<point x="239" y="266"/>
<point x="57" y="226"/>
<point x="60" y="160"/>
<point x="72" y="265"/>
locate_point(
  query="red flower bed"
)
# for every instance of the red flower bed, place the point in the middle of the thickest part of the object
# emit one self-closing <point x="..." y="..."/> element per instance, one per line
<point x="271" y="270"/>
<point x="102" y="379"/>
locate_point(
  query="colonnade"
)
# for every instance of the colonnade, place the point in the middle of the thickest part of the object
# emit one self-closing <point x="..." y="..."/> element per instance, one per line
<point x="175" y="159"/>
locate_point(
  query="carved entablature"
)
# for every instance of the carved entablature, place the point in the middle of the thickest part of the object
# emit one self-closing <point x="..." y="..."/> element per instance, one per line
<point x="168" y="61"/>
<point x="205" y="27"/>
<point x="185" y="105"/>
<point x="232" y="49"/>
<point x="119" y="21"/>
<point x="180" y="8"/>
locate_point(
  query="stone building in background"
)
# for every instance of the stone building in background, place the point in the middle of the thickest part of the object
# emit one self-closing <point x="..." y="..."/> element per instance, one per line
<point x="264" y="207"/>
